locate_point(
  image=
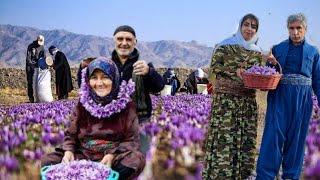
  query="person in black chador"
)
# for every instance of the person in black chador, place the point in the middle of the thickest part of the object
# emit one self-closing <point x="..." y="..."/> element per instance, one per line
<point x="63" y="73"/>
<point x="35" y="51"/>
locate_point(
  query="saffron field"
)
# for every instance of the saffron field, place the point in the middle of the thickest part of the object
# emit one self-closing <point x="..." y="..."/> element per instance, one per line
<point x="177" y="130"/>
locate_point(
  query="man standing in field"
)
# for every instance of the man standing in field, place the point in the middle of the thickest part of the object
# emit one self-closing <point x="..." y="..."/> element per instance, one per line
<point x="146" y="78"/>
<point x="126" y="57"/>
<point x="35" y="51"/>
<point x="289" y="106"/>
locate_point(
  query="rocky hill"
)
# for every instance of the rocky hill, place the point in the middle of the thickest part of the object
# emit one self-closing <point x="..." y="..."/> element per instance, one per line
<point x="15" y="39"/>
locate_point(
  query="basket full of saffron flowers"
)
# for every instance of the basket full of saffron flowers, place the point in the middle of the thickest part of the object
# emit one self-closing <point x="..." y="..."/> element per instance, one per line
<point x="82" y="169"/>
<point x="261" y="77"/>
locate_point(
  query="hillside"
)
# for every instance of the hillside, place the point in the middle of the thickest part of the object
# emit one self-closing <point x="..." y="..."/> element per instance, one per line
<point x="15" y="39"/>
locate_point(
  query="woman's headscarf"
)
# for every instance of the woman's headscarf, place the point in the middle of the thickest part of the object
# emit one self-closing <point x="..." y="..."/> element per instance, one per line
<point x="238" y="38"/>
<point x="108" y="67"/>
<point x="200" y="73"/>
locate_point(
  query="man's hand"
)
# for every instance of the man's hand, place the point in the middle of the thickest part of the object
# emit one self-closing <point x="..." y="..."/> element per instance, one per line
<point x="84" y="64"/>
<point x="107" y="160"/>
<point x="68" y="157"/>
<point x="239" y="72"/>
<point x="140" y="68"/>
<point x="270" y="58"/>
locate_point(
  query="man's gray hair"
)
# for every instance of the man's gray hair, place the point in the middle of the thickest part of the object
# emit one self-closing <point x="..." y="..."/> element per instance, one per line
<point x="297" y="17"/>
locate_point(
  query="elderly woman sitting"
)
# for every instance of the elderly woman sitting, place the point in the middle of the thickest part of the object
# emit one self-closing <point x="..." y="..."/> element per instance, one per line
<point x="104" y="125"/>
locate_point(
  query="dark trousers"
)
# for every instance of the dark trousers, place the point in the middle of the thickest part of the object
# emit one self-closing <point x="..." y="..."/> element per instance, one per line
<point x="30" y="72"/>
<point x="62" y="94"/>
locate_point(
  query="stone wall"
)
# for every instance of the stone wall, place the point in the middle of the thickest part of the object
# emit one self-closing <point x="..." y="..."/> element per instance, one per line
<point x="16" y="78"/>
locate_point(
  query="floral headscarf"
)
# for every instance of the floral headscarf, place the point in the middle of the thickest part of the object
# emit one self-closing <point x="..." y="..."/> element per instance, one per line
<point x="110" y="69"/>
<point x="115" y="101"/>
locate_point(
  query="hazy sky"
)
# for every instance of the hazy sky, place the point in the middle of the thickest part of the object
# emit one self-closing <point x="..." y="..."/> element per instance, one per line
<point x="206" y="21"/>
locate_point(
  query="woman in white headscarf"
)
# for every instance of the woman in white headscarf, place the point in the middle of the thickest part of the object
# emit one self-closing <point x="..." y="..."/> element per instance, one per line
<point x="231" y="136"/>
<point x="245" y="37"/>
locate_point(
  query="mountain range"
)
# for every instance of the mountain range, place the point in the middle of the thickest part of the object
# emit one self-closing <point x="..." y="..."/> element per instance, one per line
<point x="165" y="53"/>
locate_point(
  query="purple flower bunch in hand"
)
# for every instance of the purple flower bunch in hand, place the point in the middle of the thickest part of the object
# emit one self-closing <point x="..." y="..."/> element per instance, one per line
<point x="262" y="70"/>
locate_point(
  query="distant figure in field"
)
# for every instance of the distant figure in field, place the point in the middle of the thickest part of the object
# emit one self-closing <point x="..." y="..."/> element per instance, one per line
<point x="35" y="51"/>
<point x="42" y="81"/>
<point x="171" y="79"/>
<point x="63" y="73"/>
<point x="196" y="77"/>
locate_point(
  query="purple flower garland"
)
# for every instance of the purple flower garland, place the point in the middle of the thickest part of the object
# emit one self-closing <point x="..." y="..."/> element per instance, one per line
<point x="115" y="106"/>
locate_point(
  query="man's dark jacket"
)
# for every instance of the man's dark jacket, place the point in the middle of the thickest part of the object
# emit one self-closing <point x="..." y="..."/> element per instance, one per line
<point x="34" y="53"/>
<point x="153" y="81"/>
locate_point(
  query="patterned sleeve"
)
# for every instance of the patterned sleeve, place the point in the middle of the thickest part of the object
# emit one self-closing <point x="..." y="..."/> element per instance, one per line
<point x="216" y="61"/>
<point x="227" y="59"/>
<point x="255" y="58"/>
<point x="218" y="65"/>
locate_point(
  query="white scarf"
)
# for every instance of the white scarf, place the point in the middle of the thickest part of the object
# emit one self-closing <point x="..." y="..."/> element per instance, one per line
<point x="239" y="40"/>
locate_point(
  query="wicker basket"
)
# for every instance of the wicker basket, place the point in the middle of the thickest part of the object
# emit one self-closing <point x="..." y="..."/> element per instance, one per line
<point x="263" y="82"/>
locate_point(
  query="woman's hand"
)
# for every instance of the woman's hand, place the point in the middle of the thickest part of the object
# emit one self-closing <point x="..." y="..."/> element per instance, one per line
<point x="68" y="157"/>
<point x="239" y="72"/>
<point x="107" y="160"/>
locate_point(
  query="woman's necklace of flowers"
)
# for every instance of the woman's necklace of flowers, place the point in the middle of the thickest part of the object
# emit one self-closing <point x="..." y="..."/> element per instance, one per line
<point x="115" y="106"/>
